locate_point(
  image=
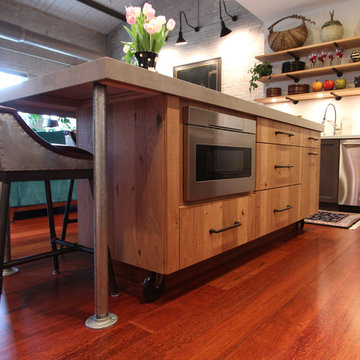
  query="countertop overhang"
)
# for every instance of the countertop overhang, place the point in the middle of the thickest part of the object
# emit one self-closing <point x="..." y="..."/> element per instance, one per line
<point x="66" y="89"/>
<point x="340" y="137"/>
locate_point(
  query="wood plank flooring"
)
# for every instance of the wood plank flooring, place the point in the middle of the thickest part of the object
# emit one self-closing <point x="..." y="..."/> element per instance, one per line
<point x="296" y="297"/>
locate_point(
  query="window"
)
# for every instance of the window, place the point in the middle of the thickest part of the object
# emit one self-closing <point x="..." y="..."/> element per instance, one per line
<point x="8" y="78"/>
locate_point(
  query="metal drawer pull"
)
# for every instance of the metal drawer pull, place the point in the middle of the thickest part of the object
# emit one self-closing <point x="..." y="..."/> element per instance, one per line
<point x="283" y="166"/>
<point x="236" y="224"/>
<point x="284" y="133"/>
<point x="284" y="209"/>
<point x="313" y="153"/>
<point x="313" y="138"/>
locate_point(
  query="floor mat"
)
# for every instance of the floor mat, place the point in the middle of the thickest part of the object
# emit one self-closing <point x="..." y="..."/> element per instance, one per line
<point x="333" y="218"/>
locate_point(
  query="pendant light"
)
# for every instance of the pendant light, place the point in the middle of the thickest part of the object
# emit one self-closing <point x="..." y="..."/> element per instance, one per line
<point x="224" y="30"/>
<point x="181" y="40"/>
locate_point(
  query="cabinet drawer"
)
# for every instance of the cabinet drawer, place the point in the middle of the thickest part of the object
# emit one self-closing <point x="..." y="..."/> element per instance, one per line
<point x="275" y="132"/>
<point x="210" y="229"/>
<point x="310" y="138"/>
<point x="310" y="181"/>
<point x="277" y="208"/>
<point x="277" y="165"/>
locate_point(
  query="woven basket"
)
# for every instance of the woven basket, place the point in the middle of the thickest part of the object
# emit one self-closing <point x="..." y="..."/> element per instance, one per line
<point x="288" y="39"/>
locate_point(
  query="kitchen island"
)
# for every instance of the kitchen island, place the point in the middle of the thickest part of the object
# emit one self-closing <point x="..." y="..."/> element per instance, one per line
<point x="139" y="164"/>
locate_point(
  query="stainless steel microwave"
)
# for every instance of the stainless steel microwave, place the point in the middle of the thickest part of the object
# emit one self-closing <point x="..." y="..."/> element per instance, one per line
<point x="219" y="154"/>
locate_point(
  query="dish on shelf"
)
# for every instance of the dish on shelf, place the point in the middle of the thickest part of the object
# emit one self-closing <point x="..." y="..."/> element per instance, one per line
<point x="289" y="66"/>
<point x="273" y="91"/>
<point x="298" y="89"/>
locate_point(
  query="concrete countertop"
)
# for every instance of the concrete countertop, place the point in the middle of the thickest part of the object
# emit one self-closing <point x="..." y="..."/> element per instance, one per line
<point x="75" y="84"/>
<point x="341" y="137"/>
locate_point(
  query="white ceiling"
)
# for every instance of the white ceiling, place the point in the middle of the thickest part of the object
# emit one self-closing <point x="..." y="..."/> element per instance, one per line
<point x="277" y="9"/>
<point x="81" y="14"/>
<point x="75" y="11"/>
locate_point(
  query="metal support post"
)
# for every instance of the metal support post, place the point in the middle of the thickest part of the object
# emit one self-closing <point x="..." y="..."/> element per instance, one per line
<point x="102" y="318"/>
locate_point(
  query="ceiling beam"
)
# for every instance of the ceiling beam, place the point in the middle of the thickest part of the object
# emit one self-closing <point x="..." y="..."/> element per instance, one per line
<point x="103" y="8"/>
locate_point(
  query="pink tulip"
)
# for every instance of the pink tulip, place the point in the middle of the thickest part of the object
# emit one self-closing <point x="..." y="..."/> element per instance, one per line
<point x="171" y="24"/>
<point x="130" y="19"/>
<point x="151" y="27"/>
<point x="161" y="19"/>
<point x="131" y="14"/>
<point x="148" y="11"/>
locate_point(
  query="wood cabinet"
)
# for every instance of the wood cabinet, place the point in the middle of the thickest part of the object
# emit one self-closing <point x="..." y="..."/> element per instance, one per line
<point x="310" y="181"/>
<point x="287" y="174"/>
<point x="277" y="208"/>
<point x="275" y="132"/>
<point x="310" y="138"/>
<point x="277" y="165"/>
<point x="210" y="229"/>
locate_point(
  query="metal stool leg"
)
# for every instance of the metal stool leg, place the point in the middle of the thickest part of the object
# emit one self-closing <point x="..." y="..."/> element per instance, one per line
<point x="4" y="211"/>
<point x="50" y="213"/>
<point x="66" y="220"/>
<point x="7" y="254"/>
<point x="112" y="283"/>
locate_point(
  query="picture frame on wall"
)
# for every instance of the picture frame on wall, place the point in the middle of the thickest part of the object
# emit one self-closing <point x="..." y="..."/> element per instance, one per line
<point x="205" y="73"/>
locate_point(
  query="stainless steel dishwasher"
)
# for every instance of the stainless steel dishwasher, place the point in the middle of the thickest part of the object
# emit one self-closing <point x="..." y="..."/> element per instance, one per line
<point x="349" y="172"/>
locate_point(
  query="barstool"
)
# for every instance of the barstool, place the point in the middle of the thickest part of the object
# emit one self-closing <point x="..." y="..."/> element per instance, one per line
<point x="25" y="156"/>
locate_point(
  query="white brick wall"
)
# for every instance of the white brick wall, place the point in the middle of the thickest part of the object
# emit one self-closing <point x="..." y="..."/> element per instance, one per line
<point x="237" y="50"/>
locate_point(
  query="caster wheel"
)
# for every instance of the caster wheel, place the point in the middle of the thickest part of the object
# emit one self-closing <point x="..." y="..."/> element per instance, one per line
<point x="153" y="286"/>
<point x="301" y="224"/>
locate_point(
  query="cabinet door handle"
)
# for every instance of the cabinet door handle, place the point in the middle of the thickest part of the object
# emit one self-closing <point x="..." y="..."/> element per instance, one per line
<point x="313" y="153"/>
<point x="284" y="209"/>
<point x="283" y="166"/>
<point x="284" y="133"/>
<point x="236" y="224"/>
<point x="314" y="138"/>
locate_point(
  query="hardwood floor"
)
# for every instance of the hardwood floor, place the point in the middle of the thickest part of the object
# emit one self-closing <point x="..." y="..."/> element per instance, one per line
<point x="297" y="297"/>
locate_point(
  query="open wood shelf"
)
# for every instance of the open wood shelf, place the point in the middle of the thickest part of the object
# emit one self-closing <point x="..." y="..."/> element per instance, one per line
<point x="310" y="96"/>
<point x="311" y="72"/>
<point x="302" y="51"/>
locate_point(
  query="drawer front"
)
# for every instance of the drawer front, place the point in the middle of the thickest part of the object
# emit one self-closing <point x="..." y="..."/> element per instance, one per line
<point x="310" y="181"/>
<point x="275" y="132"/>
<point x="310" y="138"/>
<point x="210" y="229"/>
<point x="277" y="208"/>
<point x="277" y="165"/>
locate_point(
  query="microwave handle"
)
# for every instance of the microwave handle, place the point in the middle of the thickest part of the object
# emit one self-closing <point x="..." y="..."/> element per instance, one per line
<point x="236" y="224"/>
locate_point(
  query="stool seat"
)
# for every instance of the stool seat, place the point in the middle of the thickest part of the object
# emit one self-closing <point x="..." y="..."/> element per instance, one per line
<point x="22" y="150"/>
<point x="25" y="156"/>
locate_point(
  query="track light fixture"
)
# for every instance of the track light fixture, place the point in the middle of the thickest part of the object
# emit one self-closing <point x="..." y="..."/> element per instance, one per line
<point x="224" y="30"/>
<point x="181" y="40"/>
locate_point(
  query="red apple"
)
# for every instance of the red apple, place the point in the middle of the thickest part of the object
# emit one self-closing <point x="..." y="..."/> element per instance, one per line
<point x="328" y="85"/>
<point x="317" y="85"/>
<point x="340" y="83"/>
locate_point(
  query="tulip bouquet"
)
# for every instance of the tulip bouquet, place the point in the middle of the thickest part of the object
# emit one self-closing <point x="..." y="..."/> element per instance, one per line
<point x="147" y="31"/>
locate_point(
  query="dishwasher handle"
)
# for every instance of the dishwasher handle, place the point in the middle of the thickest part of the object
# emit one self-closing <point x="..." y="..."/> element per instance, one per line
<point x="351" y="145"/>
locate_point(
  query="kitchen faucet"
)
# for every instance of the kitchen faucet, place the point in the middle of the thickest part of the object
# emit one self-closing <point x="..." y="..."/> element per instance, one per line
<point x="332" y="123"/>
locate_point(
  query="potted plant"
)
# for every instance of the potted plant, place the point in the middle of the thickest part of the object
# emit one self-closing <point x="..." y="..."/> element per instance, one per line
<point x="147" y="33"/>
<point x="258" y="70"/>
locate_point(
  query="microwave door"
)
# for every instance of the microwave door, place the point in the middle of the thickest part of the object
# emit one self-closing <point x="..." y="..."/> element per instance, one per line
<point x="217" y="162"/>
